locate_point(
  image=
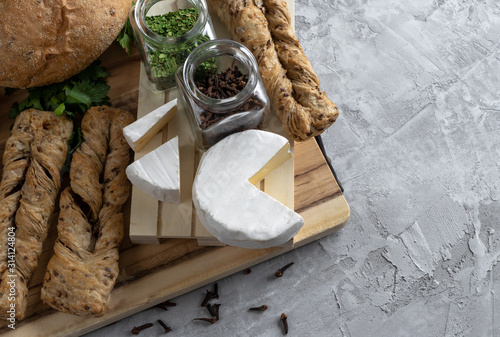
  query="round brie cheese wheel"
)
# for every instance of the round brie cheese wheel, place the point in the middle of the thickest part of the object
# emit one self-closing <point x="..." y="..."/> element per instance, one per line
<point x="229" y="205"/>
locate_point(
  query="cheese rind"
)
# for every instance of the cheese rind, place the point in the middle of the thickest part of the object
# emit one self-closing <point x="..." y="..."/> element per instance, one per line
<point x="140" y="132"/>
<point x="228" y="204"/>
<point x="157" y="173"/>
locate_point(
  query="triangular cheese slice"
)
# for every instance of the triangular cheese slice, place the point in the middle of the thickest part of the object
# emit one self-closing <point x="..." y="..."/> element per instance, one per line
<point x="140" y="132"/>
<point x="228" y="204"/>
<point x="157" y="173"/>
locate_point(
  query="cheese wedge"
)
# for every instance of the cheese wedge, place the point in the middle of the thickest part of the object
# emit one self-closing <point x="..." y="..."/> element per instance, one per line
<point x="140" y="132"/>
<point x="157" y="173"/>
<point x="229" y="205"/>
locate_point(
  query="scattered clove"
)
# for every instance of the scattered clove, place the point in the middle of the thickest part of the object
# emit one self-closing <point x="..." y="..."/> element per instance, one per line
<point x="247" y="271"/>
<point x="213" y="309"/>
<point x="280" y="271"/>
<point x="162" y="306"/>
<point x="167" y="328"/>
<point x="210" y="320"/>
<point x="137" y="329"/>
<point x="211" y="295"/>
<point x="166" y="304"/>
<point x="261" y="308"/>
<point x="285" y="322"/>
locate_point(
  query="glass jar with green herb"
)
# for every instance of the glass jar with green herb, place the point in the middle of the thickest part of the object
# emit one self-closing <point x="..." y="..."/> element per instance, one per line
<point x="166" y="31"/>
<point x="225" y="100"/>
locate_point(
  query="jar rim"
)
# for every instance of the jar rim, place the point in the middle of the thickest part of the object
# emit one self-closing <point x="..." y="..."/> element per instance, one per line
<point x="143" y="6"/>
<point x="217" y="48"/>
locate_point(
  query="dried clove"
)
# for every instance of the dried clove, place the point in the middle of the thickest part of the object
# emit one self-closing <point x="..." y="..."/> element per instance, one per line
<point x="280" y="271"/>
<point x="261" y="308"/>
<point x="164" y="326"/>
<point x="210" y="320"/>
<point x="137" y="329"/>
<point x="247" y="271"/>
<point x="166" y="304"/>
<point x="162" y="306"/>
<point x="213" y="309"/>
<point x="221" y="86"/>
<point x="211" y="295"/>
<point x="285" y="322"/>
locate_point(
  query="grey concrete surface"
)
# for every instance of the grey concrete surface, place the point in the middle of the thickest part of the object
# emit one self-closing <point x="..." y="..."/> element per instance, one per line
<point x="417" y="149"/>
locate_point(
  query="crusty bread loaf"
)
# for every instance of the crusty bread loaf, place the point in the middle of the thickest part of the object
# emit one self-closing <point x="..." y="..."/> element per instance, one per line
<point x="44" y="42"/>
<point x="290" y="81"/>
<point x="33" y="158"/>
<point x="83" y="270"/>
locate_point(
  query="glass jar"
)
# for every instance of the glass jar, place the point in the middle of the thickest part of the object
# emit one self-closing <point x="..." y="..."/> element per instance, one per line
<point x="212" y="119"/>
<point x="163" y="55"/>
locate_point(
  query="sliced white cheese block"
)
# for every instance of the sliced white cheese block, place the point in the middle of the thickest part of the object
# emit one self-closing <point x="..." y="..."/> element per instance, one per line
<point x="229" y="205"/>
<point x="157" y="173"/>
<point x="140" y="132"/>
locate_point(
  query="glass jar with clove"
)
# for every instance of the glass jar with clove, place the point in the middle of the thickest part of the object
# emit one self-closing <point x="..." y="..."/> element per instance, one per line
<point x="229" y="99"/>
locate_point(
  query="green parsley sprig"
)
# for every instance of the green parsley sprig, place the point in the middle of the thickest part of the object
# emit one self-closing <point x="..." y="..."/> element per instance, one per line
<point x="126" y="36"/>
<point x="72" y="97"/>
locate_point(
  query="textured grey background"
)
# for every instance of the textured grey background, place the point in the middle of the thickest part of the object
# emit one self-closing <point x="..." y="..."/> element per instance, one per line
<point x="417" y="149"/>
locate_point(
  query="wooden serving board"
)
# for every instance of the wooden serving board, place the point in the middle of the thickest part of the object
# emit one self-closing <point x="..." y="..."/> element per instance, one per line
<point x="150" y="274"/>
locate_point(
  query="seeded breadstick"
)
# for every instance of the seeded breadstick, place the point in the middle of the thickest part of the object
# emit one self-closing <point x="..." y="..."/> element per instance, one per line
<point x="291" y="84"/>
<point x="83" y="270"/>
<point x="33" y="158"/>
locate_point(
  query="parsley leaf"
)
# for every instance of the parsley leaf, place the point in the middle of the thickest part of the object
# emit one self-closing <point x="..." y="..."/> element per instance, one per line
<point x="85" y="92"/>
<point x="72" y="97"/>
<point x="60" y="109"/>
<point x="126" y="36"/>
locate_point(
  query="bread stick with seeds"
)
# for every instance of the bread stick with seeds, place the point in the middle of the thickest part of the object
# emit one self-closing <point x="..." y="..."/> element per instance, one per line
<point x="34" y="156"/>
<point x="290" y="81"/>
<point x="83" y="270"/>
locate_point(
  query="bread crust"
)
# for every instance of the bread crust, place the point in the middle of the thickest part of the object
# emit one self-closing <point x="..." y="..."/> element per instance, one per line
<point x="290" y="81"/>
<point x="83" y="270"/>
<point x="44" y="42"/>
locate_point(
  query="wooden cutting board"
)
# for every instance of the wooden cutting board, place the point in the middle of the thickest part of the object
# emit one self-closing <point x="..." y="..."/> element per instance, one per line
<point x="150" y="274"/>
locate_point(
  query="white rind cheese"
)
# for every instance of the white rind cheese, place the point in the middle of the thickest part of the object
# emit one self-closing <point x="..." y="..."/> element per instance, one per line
<point x="140" y="132"/>
<point x="157" y="173"/>
<point x="228" y="204"/>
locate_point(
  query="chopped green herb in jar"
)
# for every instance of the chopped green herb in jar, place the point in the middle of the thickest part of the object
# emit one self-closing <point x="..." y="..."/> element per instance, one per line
<point x="165" y="60"/>
<point x="173" y="24"/>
